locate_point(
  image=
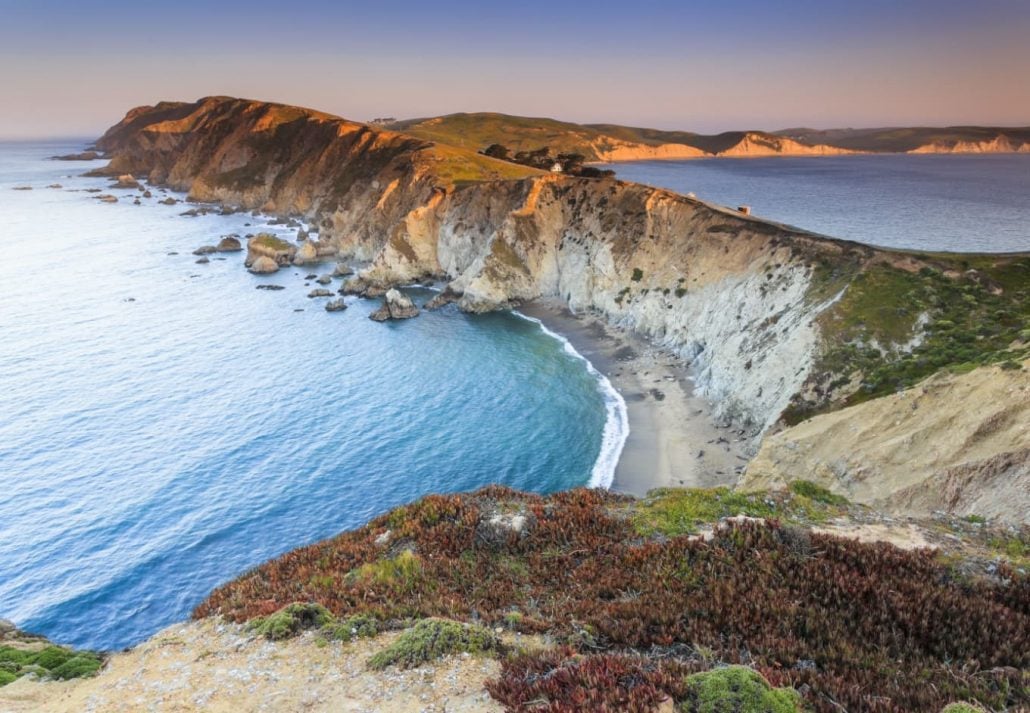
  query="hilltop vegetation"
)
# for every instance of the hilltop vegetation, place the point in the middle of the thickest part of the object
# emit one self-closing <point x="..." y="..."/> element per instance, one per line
<point x="893" y="327"/>
<point x="637" y="607"/>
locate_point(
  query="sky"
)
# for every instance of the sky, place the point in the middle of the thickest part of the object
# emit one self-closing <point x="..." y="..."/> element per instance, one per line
<point x="74" y="68"/>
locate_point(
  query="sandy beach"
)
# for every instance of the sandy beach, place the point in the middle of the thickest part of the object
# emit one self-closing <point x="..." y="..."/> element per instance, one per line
<point x="673" y="438"/>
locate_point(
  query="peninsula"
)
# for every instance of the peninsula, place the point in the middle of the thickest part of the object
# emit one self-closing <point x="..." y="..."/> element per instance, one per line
<point x="872" y="555"/>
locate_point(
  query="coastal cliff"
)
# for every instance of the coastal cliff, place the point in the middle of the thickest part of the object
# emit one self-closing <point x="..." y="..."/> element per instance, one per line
<point x="778" y="323"/>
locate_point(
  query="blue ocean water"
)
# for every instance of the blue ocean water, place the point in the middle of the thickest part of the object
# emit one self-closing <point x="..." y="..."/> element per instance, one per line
<point x="920" y="202"/>
<point x="165" y="426"/>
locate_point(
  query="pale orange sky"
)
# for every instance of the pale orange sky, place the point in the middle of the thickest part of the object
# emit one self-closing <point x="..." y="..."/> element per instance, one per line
<point x="74" y="71"/>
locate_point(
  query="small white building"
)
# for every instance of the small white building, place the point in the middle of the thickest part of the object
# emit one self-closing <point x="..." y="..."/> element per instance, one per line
<point x="556" y="168"/>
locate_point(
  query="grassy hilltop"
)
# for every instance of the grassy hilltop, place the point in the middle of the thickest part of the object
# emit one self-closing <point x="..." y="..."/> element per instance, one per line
<point x="476" y="131"/>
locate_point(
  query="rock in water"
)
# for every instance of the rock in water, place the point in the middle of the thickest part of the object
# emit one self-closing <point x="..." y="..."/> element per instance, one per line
<point x="342" y="270"/>
<point x="126" y="181"/>
<point x="320" y="293"/>
<point x="205" y="250"/>
<point x="395" y="306"/>
<point x="305" y="253"/>
<point x="337" y="305"/>
<point x="446" y="297"/>
<point x="264" y="265"/>
<point x="84" y="156"/>
<point x="229" y="244"/>
<point x="324" y="279"/>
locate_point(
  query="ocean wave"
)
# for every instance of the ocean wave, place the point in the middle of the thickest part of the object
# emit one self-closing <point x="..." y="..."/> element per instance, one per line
<point x="616" y="424"/>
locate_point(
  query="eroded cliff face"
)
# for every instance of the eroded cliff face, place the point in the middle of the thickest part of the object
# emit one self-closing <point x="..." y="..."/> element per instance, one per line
<point x="755" y="145"/>
<point x="999" y="144"/>
<point x="739" y="297"/>
<point x="958" y="443"/>
<point x="729" y="293"/>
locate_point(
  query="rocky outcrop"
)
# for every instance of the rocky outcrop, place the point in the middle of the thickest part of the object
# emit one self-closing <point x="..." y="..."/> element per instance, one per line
<point x="337" y="305"/>
<point x="306" y="254"/>
<point x="263" y="265"/>
<point x="396" y="305"/>
<point x="229" y="244"/>
<point x="126" y="181"/>
<point x="958" y="443"/>
<point x="83" y="156"/>
<point x="267" y="245"/>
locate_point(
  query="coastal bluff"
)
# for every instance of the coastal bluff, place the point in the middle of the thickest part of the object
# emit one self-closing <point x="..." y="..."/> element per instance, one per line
<point x="778" y="324"/>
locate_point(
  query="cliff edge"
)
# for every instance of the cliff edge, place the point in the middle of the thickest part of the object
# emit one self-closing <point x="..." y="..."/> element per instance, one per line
<point x="779" y="323"/>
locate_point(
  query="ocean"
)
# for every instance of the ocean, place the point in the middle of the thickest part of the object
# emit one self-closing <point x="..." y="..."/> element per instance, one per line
<point x="165" y="426"/>
<point x="919" y="202"/>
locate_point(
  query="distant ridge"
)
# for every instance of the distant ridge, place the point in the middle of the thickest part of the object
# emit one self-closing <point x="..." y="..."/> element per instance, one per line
<point x="613" y="142"/>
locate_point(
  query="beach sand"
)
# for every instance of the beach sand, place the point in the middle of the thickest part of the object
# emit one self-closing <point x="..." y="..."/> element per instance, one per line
<point x="674" y="439"/>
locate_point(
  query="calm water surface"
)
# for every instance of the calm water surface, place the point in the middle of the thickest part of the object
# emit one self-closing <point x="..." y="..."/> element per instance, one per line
<point x="956" y="203"/>
<point x="165" y="426"/>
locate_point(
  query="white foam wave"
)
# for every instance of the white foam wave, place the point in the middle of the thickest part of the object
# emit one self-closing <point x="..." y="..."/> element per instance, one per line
<point x="616" y="425"/>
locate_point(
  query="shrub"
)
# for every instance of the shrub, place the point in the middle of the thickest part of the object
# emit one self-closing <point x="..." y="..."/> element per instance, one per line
<point x="814" y="491"/>
<point x="291" y="620"/>
<point x="431" y="639"/>
<point x="51" y="657"/>
<point x="401" y="572"/>
<point x="50" y="662"/>
<point x="638" y="274"/>
<point x="79" y="666"/>
<point x="358" y="626"/>
<point x="962" y="708"/>
<point x="561" y="681"/>
<point x="737" y="689"/>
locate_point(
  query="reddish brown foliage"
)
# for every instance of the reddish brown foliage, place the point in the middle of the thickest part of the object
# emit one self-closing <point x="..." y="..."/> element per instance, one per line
<point x="867" y="627"/>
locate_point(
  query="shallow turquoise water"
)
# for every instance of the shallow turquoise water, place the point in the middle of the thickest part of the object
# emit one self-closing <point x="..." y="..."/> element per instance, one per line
<point x="927" y="202"/>
<point x="152" y="449"/>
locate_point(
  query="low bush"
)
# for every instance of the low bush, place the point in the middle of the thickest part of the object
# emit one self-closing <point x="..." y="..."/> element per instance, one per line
<point x="353" y="627"/>
<point x="431" y="639"/>
<point x="737" y="689"/>
<point x="291" y="620"/>
<point x="818" y="493"/>
<point x="50" y="662"/>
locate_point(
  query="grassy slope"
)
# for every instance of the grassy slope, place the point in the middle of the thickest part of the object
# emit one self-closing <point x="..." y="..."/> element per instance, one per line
<point x="635" y="604"/>
<point x="894" y="327"/>
<point x="459" y="166"/>
<point x="518" y="133"/>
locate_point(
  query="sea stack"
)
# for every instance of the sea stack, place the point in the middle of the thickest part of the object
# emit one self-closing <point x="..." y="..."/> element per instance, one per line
<point x="396" y="305"/>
